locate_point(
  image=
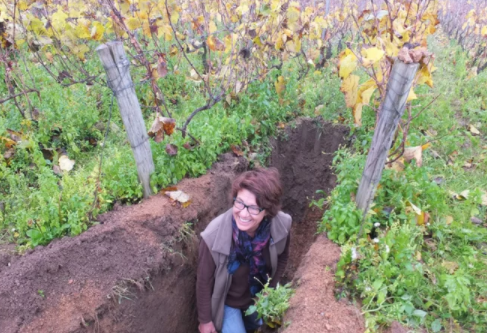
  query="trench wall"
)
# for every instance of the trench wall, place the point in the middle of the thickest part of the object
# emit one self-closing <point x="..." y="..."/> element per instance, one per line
<point x="136" y="270"/>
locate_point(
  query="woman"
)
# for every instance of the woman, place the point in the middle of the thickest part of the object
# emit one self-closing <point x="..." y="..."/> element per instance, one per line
<point x="239" y="251"/>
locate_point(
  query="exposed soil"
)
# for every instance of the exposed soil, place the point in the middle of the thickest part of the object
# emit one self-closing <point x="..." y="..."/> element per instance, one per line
<point x="303" y="155"/>
<point x="314" y="307"/>
<point x="135" y="271"/>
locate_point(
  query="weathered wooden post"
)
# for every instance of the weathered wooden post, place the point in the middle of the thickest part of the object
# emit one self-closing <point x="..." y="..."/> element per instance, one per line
<point x="392" y="109"/>
<point x="116" y="64"/>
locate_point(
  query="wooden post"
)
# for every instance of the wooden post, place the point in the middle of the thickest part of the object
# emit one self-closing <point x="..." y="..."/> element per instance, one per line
<point x="116" y="64"/>
<point x="392" y="109"/>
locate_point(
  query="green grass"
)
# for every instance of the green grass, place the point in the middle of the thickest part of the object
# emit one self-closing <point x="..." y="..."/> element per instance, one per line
<point x="423" y="274"/>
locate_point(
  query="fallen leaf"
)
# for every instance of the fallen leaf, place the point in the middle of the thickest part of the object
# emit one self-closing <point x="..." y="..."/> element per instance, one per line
<point x="473" y="130"/>
<point x="179" y="196"/>
<point x="236" y="150"/>
<point x="65" y="163"/>
<point x="9" y="153"/>
<point x="449" y="220"/>
<point x="416" y="153"/>
<point x="450" y="266"/>
<point x="171" y="150"/>
<point x="468" y="164"/>
<point x="57" y="170"/>
<point x="416" y="209"/>
<point x="318" y="109"/>
<point x="397" y="165"/>
<point x="9" y="143"/>
<point x="420" y="218"/>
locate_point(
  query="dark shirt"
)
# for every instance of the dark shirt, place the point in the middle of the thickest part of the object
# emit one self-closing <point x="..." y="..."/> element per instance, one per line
<point x="239" y="293"/>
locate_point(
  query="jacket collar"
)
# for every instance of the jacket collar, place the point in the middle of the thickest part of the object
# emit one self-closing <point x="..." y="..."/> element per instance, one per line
<point x="223" y="238"/>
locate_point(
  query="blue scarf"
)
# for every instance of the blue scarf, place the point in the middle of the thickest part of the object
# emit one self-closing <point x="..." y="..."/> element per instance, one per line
<point x="248" y="250"/>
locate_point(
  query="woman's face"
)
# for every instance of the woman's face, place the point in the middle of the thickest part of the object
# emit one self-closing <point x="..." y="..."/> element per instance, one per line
<point x="246" y="221"/>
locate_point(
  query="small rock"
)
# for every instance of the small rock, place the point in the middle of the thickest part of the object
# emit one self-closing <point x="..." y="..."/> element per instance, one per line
<point x="475" y="220"/>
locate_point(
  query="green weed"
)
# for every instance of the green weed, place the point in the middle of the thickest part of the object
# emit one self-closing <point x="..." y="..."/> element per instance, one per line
<point x="271" y="304"/>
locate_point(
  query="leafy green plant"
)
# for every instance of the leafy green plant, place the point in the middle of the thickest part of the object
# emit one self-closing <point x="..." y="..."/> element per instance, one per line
<point x="272" y="303"/>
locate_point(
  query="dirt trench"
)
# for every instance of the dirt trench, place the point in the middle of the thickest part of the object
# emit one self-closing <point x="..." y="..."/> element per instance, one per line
<point x="136" y="270"/>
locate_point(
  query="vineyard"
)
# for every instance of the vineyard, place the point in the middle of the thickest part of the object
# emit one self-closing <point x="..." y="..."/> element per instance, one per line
<point x="391" y="91"/>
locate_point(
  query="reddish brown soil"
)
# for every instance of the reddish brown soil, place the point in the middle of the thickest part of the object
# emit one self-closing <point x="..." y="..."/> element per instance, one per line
<point x="303" y="155"/>
<point x="314" y="307"/>
<point x="134" y="272"/>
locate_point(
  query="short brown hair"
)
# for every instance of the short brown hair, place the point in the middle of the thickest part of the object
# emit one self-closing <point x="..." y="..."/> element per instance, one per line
<point x="265" y="184"/>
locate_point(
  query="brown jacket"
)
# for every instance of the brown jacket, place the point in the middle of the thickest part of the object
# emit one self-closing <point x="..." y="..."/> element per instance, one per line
<point x="218" y="238"/>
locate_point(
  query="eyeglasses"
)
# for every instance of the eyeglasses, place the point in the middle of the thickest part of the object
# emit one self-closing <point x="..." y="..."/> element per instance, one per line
<point x="253" y="210"/>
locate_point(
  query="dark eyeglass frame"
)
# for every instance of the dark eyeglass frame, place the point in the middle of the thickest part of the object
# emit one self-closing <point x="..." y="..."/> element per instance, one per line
<point x="245" y="206"/>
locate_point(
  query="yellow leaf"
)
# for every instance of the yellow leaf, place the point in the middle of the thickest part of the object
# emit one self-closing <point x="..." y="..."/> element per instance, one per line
<point x="97" y="31"/>
<point x="350" y="88"/>
<point x="297" y="44"/>
<point x="424" y="76"/>
<point x="280" y="84"/>
<point x="82" y="31"/>
<point x="415" y="208"/>
<point x="391" y="48"/>
<point x="173" y="51"/>
<point x="257" y="41"/>
<point x="397" y="165"/>
<point x="473" y="130"/>
<point x="373" y="54"/>
<point x="420" y="218"/>
<point x="133" y="23"/>
<point x="448" y="220"/>
<point x="357" y="114"/>
<point x="367" y="94"/>
<point x="347" y="63"/>
<point x="215" y="44"/>
<point x="212" y="27"/>
<point x="279" y="44"/>
<point x="483" y="32"/>
<point x="22" y="5"/>
<point x="228" y="43"/>
<point x="412" y="95"/>
<point x="58" y="20"/>
<point x="291" y="47"/>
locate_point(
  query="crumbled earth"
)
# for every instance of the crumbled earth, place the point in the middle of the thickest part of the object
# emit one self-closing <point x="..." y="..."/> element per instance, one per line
<point x="303" y="155"/>
<point x="136" y="270"/>
<point x="314" y="307"/>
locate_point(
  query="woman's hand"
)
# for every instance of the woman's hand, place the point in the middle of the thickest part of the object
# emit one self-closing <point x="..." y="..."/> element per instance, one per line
<point x="207" y="328"/>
